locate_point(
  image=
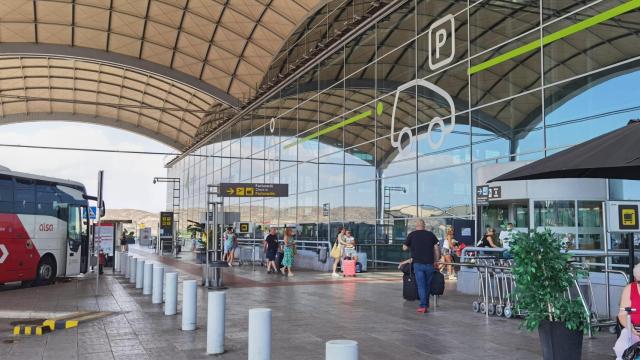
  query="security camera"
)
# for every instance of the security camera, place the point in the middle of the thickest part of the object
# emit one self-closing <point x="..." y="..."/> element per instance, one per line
<point x="154" y="181"/>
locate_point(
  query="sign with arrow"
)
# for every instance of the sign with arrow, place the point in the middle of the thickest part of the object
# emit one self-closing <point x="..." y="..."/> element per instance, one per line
<point x="253" y="190"/>
<point x="4" y="253"/>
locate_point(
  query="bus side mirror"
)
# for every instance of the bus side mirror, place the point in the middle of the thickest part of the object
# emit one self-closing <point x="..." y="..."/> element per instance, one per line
<point x="102" y="209"/>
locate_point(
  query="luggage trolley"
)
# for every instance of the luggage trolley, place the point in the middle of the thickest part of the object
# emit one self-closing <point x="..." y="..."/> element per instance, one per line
<point x="485" y="287"/>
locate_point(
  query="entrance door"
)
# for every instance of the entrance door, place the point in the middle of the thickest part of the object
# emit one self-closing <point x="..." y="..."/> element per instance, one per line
<point x="74" y="240"/>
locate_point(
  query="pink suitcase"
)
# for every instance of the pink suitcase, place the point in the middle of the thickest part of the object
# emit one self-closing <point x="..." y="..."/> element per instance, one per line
<point x="348" y="267"/>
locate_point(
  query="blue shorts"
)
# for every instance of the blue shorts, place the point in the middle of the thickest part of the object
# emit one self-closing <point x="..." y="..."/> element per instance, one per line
<point x="228" y="247"/>
<point x="350" y="252"/>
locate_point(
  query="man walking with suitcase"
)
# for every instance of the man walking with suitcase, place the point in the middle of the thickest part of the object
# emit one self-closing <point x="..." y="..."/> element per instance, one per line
<point x="424" y="252"/>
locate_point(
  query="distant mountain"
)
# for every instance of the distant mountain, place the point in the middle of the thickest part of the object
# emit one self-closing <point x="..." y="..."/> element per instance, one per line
<point x="137" y="217"/>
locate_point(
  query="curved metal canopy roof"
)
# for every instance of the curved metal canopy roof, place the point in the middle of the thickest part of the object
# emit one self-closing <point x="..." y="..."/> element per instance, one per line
<point x="150" y="66"/>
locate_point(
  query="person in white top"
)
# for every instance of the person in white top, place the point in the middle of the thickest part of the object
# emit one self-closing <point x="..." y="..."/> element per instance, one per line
<point x="506" y="236"/>
<point x="448" y="247"/>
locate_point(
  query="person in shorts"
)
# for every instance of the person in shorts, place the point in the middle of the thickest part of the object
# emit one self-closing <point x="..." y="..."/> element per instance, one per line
<point x="350" y="247"/>
<point x="229" y="245"/>
<point x="271" y="249"/>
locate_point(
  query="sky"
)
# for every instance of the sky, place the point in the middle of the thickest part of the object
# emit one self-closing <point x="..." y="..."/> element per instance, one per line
<point x="128" y="179"/>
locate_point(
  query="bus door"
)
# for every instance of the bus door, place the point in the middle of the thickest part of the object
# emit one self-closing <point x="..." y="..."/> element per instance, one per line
<point x="75" y="235"/>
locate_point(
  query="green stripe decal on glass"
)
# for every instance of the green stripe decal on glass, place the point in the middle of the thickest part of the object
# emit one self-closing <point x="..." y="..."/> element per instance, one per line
<point x="570" y="30"/>
<point x="366" y="114"/>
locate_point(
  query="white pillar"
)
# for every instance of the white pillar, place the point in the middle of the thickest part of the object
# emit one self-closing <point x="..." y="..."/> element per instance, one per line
<point x="189" y="303"/>
<point x="215" y="322"/>
<point x="139" y="273"/>
<point x="127" y="273"/>
<point x="116" y="260"/>
<point x="133" y="269"/>
<point x="156" y="292"/>
<point x="125" y="263"/>
<point x="171" y="285"/>
<point x="259" y="334"/>
<point x="341" y="350"/>
<point x="148" y="275"/>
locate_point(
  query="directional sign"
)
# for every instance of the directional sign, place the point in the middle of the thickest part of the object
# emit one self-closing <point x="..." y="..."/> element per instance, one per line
<point x="253" y="190"/>
<point x="4" y="252"/>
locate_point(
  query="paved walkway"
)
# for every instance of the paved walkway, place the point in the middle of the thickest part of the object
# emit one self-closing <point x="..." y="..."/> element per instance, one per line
<point x="308" y="310"/>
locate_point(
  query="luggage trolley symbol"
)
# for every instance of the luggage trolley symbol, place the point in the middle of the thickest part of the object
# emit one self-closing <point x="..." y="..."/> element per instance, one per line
<point x="397" y="142"/>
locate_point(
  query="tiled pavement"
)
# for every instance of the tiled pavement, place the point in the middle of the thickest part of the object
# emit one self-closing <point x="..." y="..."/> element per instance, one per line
<point x="308" y="310"/>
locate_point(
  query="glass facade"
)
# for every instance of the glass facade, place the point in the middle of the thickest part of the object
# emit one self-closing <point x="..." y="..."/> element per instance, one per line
<point x="392" y="126"/>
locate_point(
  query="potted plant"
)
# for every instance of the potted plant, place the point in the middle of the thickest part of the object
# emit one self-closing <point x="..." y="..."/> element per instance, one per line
<point x="543" y="274"/>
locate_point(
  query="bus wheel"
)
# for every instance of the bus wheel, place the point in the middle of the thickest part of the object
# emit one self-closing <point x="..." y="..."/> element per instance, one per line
<point x="46" y="271"/>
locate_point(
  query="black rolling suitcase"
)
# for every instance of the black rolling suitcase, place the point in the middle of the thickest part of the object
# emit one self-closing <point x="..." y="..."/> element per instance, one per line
<point x="409" y="287"/>
<point x="437" y="283"/>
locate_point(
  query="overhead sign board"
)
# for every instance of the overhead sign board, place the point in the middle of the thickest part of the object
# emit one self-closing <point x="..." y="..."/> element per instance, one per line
<point x="484" y="193"/>
<point x="623" y="216"/>
<point x="166" y="225"/>
<point x="253" y="190"/>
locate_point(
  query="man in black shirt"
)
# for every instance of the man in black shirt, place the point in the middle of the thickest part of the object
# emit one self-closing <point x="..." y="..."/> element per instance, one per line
<point x="424" y="254"/>
<point x="270" y="249"/>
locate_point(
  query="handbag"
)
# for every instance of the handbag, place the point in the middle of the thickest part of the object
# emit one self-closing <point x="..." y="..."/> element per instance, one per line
<point x="335" y="251"/>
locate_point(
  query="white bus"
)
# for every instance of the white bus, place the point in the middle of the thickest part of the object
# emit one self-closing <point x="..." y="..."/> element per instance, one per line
<point x="44" y="230"/>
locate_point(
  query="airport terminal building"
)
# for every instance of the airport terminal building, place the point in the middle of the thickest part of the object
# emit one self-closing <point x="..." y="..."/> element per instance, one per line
<point x="376" y="113"/>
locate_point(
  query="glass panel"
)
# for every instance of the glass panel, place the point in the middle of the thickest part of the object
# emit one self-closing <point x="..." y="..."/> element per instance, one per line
<point x="307" y="176"/>
<point x="498" y="128"/>
<point x="590" y="230"/>
<point x="594" y="46"/>
<point x="445" y="192"/>
<point x="360" y="202"/>
<point x="559" y="217"/>
<point x="496" y="22"/>
<point x="589" y="106"/>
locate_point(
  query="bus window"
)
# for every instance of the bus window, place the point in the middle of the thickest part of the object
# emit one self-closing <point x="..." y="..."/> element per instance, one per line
<point x="6" y="194"/>
<point x="24" y="196"/>
<point x="74" y="227"/>
<point x="47" y="200"/>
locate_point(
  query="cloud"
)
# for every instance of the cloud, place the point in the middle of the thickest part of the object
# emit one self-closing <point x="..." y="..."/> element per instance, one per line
<point x="128" y="178"/>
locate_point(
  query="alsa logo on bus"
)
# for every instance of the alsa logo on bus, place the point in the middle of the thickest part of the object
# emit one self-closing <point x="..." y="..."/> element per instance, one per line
<point x="45" y="227"/>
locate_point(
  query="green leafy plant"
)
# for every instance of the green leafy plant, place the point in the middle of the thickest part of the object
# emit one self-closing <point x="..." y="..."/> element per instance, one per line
<point x="543" y="274"/>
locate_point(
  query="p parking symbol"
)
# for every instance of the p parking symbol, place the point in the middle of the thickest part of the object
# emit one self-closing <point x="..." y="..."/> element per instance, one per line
<point x="441" y="42"/>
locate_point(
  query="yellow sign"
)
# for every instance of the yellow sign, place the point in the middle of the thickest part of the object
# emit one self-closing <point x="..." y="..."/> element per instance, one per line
<point x="240" y="191"/>
<point x="248" y="191"/>
<point x="244" y="227"/>
<point x="629" y="217"/>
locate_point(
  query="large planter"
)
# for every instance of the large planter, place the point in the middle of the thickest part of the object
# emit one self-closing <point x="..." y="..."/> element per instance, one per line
<point x="558" y="342"/>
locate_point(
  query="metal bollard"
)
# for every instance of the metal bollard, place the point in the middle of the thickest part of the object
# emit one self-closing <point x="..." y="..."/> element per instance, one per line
<point x="260" y="334"/>
<point x="341" y="350"/>
<point x="215" y="322"/>
<point x="127" y="273"/>
<point x="171" y="302"/>
<point x="133" y="269"/>
<point x="147" y="278"/>
<point x="189" y="304"/>
<point x="116" y="260"/>
<point x="139" y="273"/>
<point x="158" y="280"/>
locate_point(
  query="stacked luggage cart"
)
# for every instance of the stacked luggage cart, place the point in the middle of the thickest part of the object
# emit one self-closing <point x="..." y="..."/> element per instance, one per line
<point x="496" y="287"/>
<point x="497" y="295"/>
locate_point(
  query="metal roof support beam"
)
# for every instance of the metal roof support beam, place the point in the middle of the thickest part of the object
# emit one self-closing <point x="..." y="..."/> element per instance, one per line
<point x="89" y="119"/>
<point x="119" y="60"/>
